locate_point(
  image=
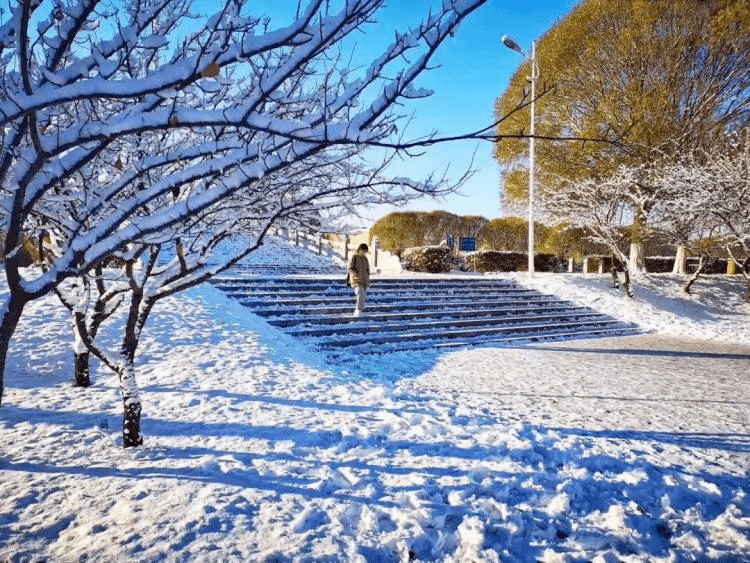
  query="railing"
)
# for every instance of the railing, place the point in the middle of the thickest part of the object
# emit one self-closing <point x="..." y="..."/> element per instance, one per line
<point x="381" y="261"/>
<point x="314" y="242"/>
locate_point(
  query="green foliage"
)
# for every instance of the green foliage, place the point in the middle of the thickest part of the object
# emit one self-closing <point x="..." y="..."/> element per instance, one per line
<point x="400" y="230"/>
<point x="505" y="233"/>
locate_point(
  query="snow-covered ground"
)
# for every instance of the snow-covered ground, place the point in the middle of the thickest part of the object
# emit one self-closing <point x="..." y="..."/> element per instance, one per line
<point x="258" y="448"/>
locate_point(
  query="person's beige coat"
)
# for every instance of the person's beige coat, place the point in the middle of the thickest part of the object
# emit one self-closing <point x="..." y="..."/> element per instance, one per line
<point x="359" y="271"/>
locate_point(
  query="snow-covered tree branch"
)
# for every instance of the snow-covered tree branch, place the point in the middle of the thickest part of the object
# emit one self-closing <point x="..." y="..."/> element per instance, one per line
<point x="709" y="200"/>
<point x="600" y="208"/>
<point x="700" y="202"/>
<point x="123" y="122"/>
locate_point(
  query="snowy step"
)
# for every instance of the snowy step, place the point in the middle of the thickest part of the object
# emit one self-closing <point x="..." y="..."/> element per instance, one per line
<point x="296" y="287"/>
<point x="266" y="292"/>
<point x="432" y="325"/>
<point x="495" y="332"/>
<point x="373" y="299"/>
<point x="541" y="336"/>
<point x="415" y="313"/>
<point x="273" y="310"/>
<point x="377" y="280"/>
<point x="344" y="316"/>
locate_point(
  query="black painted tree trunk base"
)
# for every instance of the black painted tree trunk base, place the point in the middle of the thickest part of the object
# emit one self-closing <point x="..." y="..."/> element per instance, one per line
<point x="81" y="361"/>
<point x="627" y="285"/>
<point x="615" y="279"/>
<point x="131" y="426"/>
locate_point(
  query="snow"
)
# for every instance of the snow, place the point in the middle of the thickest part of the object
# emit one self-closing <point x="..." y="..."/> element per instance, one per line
<point x="260" y="448"/>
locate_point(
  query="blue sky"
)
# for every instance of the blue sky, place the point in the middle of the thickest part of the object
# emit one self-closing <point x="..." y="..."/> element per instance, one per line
<point x="475" y="68"/>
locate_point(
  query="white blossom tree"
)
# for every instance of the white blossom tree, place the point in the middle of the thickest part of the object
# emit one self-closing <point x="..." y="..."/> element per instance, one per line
<point x="88" y="85"/>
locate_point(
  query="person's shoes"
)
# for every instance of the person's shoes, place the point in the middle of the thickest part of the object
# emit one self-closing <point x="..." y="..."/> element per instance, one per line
<point x="357" y="313"/>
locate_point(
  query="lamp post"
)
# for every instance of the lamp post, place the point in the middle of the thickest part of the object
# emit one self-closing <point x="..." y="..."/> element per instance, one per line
<point x="510" y="44"/>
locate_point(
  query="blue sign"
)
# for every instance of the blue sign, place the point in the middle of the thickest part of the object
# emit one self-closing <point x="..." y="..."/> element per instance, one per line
<point x="467" y="244"/>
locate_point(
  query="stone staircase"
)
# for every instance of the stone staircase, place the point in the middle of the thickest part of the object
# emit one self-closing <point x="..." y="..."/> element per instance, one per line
<point x="412" y="313"/>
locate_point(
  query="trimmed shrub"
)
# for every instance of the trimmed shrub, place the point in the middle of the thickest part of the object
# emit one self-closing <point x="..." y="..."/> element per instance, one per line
<point x="659" y="264"/>
<point x="507" y="261"/>
<point x="495" y="261"/>
<point x="432" y="259"/>
<point x="713" y="265"/>
<point x="548" y="263"/>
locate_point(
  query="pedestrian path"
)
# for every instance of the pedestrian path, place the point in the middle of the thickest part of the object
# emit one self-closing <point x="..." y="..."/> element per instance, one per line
<point x="659" y="388"/>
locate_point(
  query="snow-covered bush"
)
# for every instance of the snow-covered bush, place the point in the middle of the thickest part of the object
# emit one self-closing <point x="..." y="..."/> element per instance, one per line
<point x="432" y="259"/>
<point x="508" y="261"/>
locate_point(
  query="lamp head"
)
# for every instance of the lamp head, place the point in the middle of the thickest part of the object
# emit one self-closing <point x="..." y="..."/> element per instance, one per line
<point x="510" y="44"/>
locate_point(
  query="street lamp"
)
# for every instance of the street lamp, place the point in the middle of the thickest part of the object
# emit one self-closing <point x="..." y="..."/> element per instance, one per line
<point x="510" y="44"/>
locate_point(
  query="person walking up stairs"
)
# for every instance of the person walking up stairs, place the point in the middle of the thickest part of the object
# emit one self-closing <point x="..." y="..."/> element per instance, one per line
<point x="358" y="277"/>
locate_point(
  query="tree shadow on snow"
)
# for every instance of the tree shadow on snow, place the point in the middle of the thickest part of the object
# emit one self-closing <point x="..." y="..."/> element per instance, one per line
<point x="616" y="504"/>
<point x="698" y="440"/>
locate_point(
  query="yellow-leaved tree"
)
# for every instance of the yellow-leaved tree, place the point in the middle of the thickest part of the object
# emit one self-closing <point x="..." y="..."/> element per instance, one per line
<point x="657" y="78"/>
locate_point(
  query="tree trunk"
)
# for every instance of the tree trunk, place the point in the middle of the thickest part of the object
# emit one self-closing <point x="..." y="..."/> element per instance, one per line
<point x="131" y="425"/>
<point x="615" y="279"/>
<point x="131" y="419"/>
<point x="81" y="358"/>
<point x="12" y="309"/>
<point x="626" y="284"/>
<point x="613" y="271"/>
<point x="637" y="260"/>
<point x="680" y="261"/>
<point x="701" y="266"/>
<point x="131" y="422"/>
<point x="745" y="269"/>
<point x="81" y="366"/>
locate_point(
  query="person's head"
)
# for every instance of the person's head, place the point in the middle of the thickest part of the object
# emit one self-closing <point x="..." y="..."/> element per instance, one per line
<point x="362" y="248"/>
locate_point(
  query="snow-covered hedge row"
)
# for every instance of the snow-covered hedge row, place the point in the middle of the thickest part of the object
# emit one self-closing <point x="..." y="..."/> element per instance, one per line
<point x="497" y="261"/>
<point x="436" y="259"/>
<point x="664" y="264"/>
<point x="713" y="266"/>
<point x="432" y="259"/>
